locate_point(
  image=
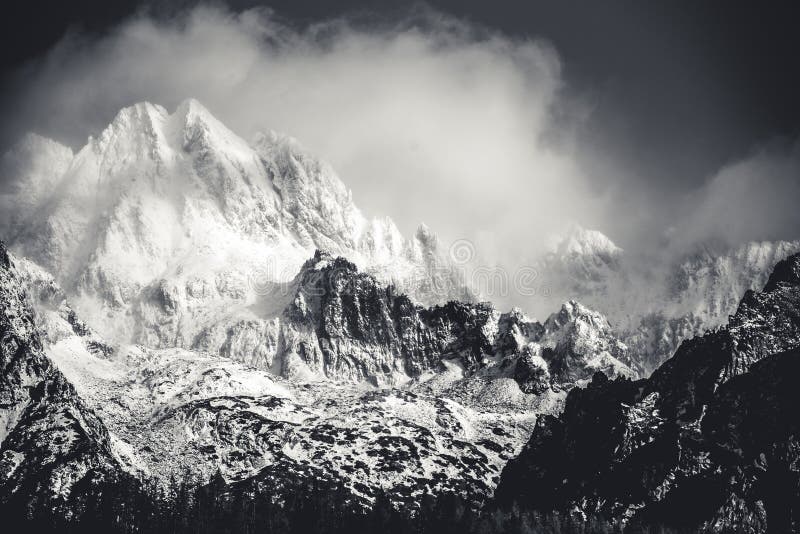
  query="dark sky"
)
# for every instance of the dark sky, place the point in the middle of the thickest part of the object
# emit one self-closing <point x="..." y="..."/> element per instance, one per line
<point x="682" y="86"/>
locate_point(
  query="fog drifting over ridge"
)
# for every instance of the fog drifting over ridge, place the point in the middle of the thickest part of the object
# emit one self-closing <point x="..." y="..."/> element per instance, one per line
<point x="427" y="119"/>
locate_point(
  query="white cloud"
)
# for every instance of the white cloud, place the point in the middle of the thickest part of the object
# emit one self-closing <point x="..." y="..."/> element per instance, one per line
<point x="749" y="200"/>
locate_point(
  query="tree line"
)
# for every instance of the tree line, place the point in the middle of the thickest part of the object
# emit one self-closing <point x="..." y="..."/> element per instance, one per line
<point x="127" y="506"/>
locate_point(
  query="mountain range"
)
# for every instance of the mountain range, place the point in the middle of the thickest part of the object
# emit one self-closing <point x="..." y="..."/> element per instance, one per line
<point x="180" y="304"/>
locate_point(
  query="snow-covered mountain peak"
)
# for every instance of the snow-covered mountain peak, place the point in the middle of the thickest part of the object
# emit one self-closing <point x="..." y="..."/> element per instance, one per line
<point x="520" y="316"/>
<point x="148" y="132"/>
<point x="578" y="321"/>
<point x="135" y="130"/>
<point x="572" y="310"/>
<point x="192" y="111"/>
<point x="577" y="240"/>
<point x="202" y="130"/>
<point x="178" y="205"/>
<point x="136" y="117"/>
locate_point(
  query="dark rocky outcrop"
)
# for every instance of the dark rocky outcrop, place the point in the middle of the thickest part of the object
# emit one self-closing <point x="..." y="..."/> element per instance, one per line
<point x="359" y="322"/>
<point x="50" y="442"/>
<point x="356" y="328"/>
<point x="709" y="441"/>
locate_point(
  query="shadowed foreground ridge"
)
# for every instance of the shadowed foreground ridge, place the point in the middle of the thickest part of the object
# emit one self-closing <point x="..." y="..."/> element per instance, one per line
<point x="708" y="442"/>
<point x="50" y="441"/>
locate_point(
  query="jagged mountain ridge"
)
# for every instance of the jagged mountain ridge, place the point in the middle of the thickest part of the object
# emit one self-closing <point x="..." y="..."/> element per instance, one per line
<point x="177" y="203"/>
<point x="338" y="323"/>
<point x="343" y="324"/>
<point x="708" y="441"/>
<point x="243" y="217"/>
<point x="656" y="303"/>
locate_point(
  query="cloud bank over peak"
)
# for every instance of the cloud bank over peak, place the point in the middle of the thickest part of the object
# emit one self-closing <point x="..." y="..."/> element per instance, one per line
<point x="426" y="117"/>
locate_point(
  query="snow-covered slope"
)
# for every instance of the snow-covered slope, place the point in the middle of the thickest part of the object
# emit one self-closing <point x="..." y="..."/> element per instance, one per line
<point x="174" y="412"/>
<point x="465" y="406"/>
<point x="177" y="208"/>
<point x="178" y="413"/>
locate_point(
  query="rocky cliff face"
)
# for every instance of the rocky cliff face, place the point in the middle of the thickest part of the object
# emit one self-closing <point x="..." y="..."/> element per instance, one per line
<point x="51" y="442"/>
<point x="344" y="325"/>
<point x="708" y="441"/>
